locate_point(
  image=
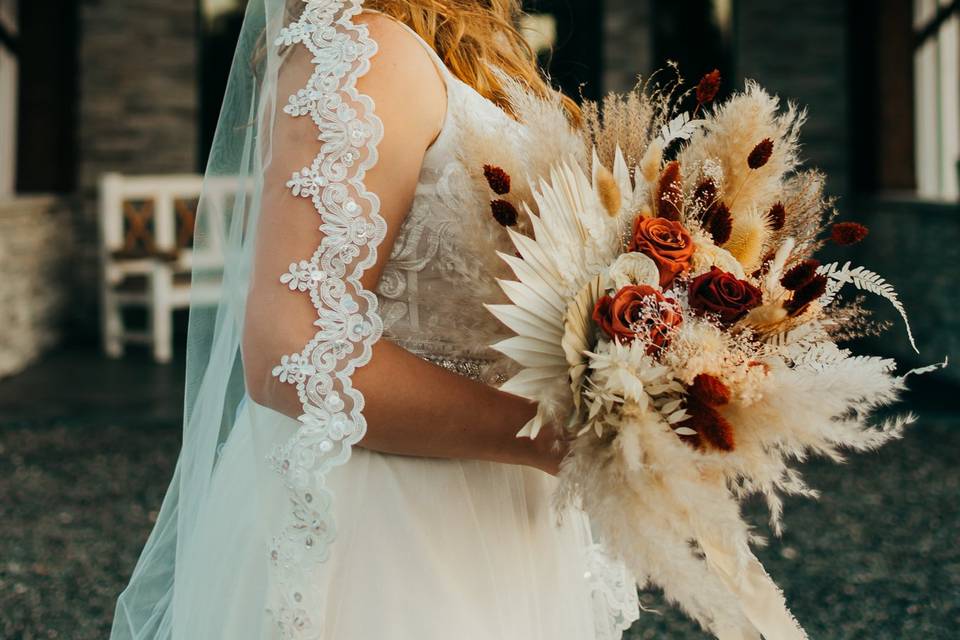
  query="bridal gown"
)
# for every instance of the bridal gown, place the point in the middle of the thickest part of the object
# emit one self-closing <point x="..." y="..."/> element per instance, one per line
<point x="422" y="549"/>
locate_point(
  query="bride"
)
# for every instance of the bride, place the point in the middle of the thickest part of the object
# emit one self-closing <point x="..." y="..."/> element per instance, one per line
<point x="349" y="469"/>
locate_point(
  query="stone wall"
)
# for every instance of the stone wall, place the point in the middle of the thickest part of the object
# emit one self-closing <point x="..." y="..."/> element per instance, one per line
<point x="35" y="244"/>
<point x="137" y="112"/>
<point x="627" y="43"/>
<point x="795" y="48"/>
<point x="799" y="50"/>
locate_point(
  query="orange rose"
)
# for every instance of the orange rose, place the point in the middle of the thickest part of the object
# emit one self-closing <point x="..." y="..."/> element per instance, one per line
<point x="638" y="311"/>
<point x="666" y="242"/>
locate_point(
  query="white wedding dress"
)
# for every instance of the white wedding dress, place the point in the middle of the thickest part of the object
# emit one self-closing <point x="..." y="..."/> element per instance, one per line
<point x="413" y="549"/>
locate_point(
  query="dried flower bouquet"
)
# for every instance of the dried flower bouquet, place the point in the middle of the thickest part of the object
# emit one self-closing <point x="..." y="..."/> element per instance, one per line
<point x="672" y="322"/>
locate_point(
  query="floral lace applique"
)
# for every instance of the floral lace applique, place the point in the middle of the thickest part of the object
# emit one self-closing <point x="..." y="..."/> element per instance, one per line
<point x="347" y="322"/>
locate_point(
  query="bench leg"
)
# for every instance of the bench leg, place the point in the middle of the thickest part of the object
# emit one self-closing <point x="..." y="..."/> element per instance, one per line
<point x="111" y="318"/>
<point x="161" y="313"/>
<point x="161" y="327"/>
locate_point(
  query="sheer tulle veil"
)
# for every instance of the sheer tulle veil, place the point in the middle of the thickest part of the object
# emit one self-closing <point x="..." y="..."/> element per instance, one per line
<point x="183" y="586"/>
<point x="245" y="543"/>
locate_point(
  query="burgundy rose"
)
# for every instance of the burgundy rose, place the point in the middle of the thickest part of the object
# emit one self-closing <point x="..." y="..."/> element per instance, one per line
<point x="638" y="311"/>
<point x="723" y="294"/>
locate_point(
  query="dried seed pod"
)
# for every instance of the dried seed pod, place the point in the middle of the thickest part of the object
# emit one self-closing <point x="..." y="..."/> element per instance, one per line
<point x="608" y="191"/>
<point x="777" y="216"/>
<point x="720" y="225"/>
<point x="497" y="178"/>
<point x="670" y="192"/>
<point x="504" y="212"/>
<point x="713" y="430"/>
<point x="705" y="195"/>
<point x="802" y="297"/>
<point x="800" y="274"/>
<point x="650" y="163"/>
<point x="760" y="154"/>
<point x="710" y="390"/>
<point x="708" y="87"/>
<point x="847" y="233"/>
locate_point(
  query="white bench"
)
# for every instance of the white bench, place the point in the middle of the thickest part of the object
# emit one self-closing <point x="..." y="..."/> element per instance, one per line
<point x="148" y="253"/>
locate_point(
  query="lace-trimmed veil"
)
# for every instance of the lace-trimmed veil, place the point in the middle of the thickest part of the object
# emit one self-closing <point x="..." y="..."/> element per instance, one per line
<point x="346" y="326"/>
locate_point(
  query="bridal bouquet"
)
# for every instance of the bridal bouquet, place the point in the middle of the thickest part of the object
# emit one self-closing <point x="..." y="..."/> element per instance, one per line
<point x="672" y="322"/>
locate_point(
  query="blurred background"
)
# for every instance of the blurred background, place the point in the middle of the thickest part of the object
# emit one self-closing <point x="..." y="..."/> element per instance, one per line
<point x="107" y="112"/>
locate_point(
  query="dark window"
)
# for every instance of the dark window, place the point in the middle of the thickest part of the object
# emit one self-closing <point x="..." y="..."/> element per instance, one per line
<point x="882" y="107"/>
<point x="46" y="130"/>
<point x="906" y="97"/>
<point x="575" y="63"/>
<point x="697" y="35"/>
<point x="220" y="24"/>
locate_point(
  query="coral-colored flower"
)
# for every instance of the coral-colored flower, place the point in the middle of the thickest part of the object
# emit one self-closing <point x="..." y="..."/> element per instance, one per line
<point x="708" y="87"/>
<point x="638" y="311"/>
<point x="724" y="295"/>
<point x="800" y="274"/>
<point x="497" y="178"/>
<point x="666" y="242"/>
<point x="847" y="233"/>
<point x="760" y="154"/>
<point x="504" y="212"/>
<point x="670" y="192"/>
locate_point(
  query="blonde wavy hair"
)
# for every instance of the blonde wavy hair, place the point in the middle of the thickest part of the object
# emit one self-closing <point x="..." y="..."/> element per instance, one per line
<point x="474" y="38"/>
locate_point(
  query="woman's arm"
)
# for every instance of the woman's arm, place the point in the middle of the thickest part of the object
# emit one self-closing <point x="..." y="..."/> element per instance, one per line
<point x="412" y="407"/>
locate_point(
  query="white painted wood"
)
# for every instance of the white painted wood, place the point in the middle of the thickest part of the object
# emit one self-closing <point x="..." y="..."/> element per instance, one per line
<point x="926" y="121"/>
<point x="937" y="105"/>
<point x="9" y="14"/>
<point x="949" y="85"/>
<point x="164" y="291"/>
<point x="8" y="123"/>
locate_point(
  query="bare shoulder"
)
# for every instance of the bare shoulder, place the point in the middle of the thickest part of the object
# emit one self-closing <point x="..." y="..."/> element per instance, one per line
<point x="403" y="80"/>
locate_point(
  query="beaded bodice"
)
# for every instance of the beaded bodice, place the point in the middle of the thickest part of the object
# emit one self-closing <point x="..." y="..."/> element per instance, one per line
<point x="443" y="266"/>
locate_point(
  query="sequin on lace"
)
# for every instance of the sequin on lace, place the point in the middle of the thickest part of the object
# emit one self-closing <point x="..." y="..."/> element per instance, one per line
<point x="429" y="294"/>
<point x="347" y="323"/>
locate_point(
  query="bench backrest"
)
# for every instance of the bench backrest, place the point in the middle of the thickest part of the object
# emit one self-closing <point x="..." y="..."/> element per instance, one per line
<point x="149" y="217"/>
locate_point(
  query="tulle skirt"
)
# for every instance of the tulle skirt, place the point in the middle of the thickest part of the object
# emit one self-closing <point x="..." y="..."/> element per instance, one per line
<point x="425" y="549"/>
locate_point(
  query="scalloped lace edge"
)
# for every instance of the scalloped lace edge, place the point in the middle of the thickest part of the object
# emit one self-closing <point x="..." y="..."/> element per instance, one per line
<point x="347" y="330"/>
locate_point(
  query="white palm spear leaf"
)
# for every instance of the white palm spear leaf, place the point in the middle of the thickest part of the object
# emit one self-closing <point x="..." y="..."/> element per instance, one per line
<point x="574" y="240"/>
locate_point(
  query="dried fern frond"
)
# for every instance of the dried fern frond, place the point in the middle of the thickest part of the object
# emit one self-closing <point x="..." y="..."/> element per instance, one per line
<point x="865" y="280"/>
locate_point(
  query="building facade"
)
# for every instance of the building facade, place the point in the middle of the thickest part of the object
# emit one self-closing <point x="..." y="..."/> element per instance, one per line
<point x="91" y="86"/>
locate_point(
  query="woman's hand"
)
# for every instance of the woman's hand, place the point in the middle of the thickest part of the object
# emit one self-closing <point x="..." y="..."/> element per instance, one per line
<point x="548" y="450"/>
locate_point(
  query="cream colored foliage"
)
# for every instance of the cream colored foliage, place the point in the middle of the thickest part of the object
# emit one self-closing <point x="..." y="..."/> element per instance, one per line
<point x="748" y="239"/>
<point x="729" y="134"/>
<point x="633" y="268"/>
<point x="709" y="255"/>
<point x="671" y="511"/>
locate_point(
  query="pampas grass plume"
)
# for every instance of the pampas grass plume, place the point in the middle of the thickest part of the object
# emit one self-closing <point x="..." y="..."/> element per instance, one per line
<point x="766" y="316"/>
<point x="608" y="191"/>
<point x="747" y="240"/>
<point x="650" y="164"/>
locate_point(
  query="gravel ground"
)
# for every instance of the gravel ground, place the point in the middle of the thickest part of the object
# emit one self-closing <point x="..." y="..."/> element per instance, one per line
<point x="875" y="558"/>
